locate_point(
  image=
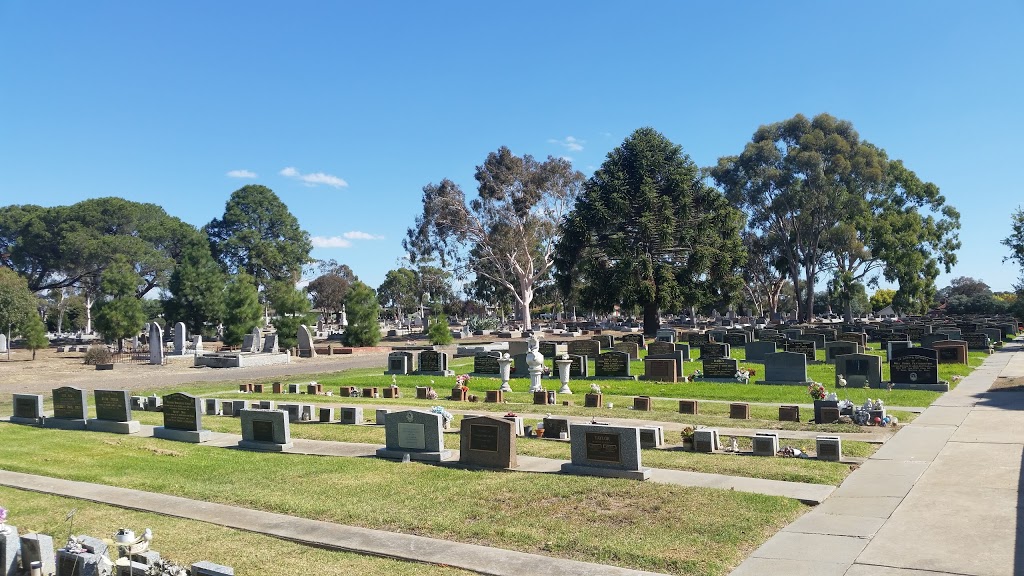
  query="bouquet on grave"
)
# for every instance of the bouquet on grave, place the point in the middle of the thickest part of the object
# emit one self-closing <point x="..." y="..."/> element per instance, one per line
<point x="446" y="416"/>
<point x="816" y="390"/>
<point x="462" y="381"/>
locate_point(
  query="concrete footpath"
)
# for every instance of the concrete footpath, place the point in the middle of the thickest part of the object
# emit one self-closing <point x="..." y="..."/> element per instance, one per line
<point x="940" y="497"/>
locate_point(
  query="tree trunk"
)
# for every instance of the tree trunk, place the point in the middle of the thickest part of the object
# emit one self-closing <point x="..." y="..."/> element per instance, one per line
<point x="88" y="313"/>
<point x="526" y="298"/>
<point x="651" y="319"/>
<point x="848" y="314"/>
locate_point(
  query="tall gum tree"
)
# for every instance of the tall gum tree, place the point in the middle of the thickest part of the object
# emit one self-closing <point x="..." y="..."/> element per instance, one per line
<point x="507" y="233"/>
<point x="647" y="231"/>
<point x="842" y="206"/>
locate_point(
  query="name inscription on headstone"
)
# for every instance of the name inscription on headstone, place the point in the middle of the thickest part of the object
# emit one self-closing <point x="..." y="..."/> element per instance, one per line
<point x="262" y="431"/>
<point x="411" y="436"/>
<point x="485" y="364"/>
<point x="483" y="437"/>
<point x="602" y="447"/>
<point x="181" y="412"/>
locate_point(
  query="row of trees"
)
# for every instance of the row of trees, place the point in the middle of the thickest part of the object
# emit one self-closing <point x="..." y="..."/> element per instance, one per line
<point x="806" y="199"/>
<point x="110" y="253"/>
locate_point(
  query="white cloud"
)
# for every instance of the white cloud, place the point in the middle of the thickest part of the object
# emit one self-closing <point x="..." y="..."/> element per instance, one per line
<point x="241" y="174"/>
<point x="566" y="158"/>
<point x="570" y="143"/>
<point x="357" y="235"/>
<point x="314" y="178"/>
<point x="330" y="242"/>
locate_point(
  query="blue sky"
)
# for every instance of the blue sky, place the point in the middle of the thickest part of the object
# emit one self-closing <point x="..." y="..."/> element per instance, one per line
<point x="346" y="110"/>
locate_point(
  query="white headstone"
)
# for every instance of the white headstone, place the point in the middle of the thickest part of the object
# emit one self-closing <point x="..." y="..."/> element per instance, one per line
<point x="179" y="338"/>
<point x="156" y="344"/>
<point x="257" y="338"/>
<point x="197" y="343"/>
<point x="305" y="342"/>
<point x="3" y="343"/>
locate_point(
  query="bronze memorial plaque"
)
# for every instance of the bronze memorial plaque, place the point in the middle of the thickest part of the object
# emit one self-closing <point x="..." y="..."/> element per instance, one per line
<point x="602" y="447"/>
<point x="483" y="437"/>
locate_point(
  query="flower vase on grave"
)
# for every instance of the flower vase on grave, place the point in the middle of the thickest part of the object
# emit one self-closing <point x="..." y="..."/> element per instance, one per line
<point x="564" y="365"/>
<point x="505" y="366"/>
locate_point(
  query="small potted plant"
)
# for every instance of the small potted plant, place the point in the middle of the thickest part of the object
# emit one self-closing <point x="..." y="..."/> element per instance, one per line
<point x="687" y="437"/>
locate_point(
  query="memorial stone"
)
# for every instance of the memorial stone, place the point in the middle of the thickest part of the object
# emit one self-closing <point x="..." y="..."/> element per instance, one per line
<point x="434" y="363"/>
<point x="713" y="350"/>
<point x="416" y="433"/>
<point x="179" y="338"/>
<point x="588" y="348"/>
<point x="951" y="351"/>
<point x="265" y="430"/>
<point x="719" y="368"/>
<point x="399" y="363"/>
<point x="630" y="348"/>
<point x="735" y="339"/>
<point x="28" y="408"/>
<point x="612" y="364"/>
<point x="757" y="350"/>
<point x="785" y="368"/>
<point x="660" y="369"/>
<point x="805" y="347"/>
<point x="156" y="344"/>
<point x="859" y="370"/>
<point x="915" y="368"/>
<point x="486" y="363"/>
<point x="658" y="348"/>
<point x="113" y="413"/>
<point x="488" y="442"/>
<point x="612" y="451"/>
<point x="182" y="419"/>
<point x="837" y="348"/>
<point x="637" y="339"/>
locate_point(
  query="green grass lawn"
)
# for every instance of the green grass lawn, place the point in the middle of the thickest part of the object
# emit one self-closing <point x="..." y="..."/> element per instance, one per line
<point x="188" y="541"/>
<point x="641" y="525"/>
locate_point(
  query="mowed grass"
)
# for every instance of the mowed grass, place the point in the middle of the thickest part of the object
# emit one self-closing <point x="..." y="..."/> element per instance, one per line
<point x="647" y="526"/>
<point x="187" y="541"/>
<point x="672" y="457"/>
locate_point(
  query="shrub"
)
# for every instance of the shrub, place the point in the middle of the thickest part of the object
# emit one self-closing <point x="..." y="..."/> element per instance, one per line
<point x="439" y="332"/>
<point x="98" y="355"/>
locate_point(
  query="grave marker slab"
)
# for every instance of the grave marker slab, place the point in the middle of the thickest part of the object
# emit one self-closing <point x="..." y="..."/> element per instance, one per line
<point x="488" y="442"/>
<point x="838" y="348"/>
<point x="720" y="369"/>
<point x="612" y="364"/>
<point x="788" y="368"/>
<point x="916" y="369"/>
<point x="630" y="348"/>
<point x="28" y="409"/>
<point x="113" y="413"/>
<point x="486" y="364"/>
<point x="805" y="347"/>
<point x="416" y="433"/>
<point x="660" y="369"/>
<point x="265" y="430"/>
<point x="951" y="351"/>
<point x="588" y="348"/>
<point x="713" y="350"/>
<point x="859" y="369"/>
<point x="434" y="363"/>
<point x="757" y="350"/>
<point x="610" y="451"/>
<point x="182" y="419"/>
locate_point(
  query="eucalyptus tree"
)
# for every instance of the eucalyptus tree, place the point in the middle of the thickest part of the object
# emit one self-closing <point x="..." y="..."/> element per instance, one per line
<point x="507" y="233"/>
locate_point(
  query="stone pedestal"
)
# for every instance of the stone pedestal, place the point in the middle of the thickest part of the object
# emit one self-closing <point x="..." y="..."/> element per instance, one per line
<point x="563" y="375"/>
<point x="504" y="367"/>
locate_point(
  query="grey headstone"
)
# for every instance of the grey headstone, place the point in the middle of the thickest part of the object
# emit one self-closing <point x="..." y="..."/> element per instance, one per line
<point x="179" y="338"/>
<point x="785" y="368"/>
<point x="156" y="344"/>
<point x="414" y="432"/>
<point x="113" y="405"/>
<point x="39" y="548"/>
<point x="305" y="342"/>
<point x="265" y="430"/>
<point x="206" y="568"/>
<point x="606" y="451"/>
<point x="757" y="350"/>
<point x="859" y="369"/>
<point x="270" y="344"/>
<point x="10" y="545"/>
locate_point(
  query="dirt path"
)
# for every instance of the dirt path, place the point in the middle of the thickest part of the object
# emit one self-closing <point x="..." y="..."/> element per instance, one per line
<point x="52" y="369"/>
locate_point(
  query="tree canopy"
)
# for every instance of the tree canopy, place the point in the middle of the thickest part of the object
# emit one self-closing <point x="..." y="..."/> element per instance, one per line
<point x="841" y="205"/>
<point x="197" y="288"/>
<point x="507" y="233"/>
<point x="121" y="316"/>
<point x="259" y="236"/>
<point x="648" y="232"/>
<point x="329" y="290"/>
<point x="363" y="317"/>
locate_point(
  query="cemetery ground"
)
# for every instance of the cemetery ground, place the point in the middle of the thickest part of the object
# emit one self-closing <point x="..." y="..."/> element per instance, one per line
<point x="648" y="526"/>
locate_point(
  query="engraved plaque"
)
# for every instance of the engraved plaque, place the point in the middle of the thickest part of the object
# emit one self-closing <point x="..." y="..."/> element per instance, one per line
<point x="411" y="436"/>
<point x="603" y="447"/>
<point x="262" y="430"/>
<point x="483" y="437"/>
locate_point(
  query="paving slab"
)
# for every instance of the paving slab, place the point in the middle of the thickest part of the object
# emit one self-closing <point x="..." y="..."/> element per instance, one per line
<point x="957" y="529"/>
<point x="817" y="522"/>
<point x="794" y="546"/>
<point x="943" y="416"/>
<point x="869" y="570"/>
<point x="777" y="566"/>
<point x="869" y="506"/>
<point x="992" y="426"/>
<point x="914" y="444"/>
<point x="972" y="464"/>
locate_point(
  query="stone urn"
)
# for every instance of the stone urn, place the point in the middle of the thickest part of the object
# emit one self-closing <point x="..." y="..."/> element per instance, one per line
<point x="505" y="367"/>
<point x="564" y="366"/>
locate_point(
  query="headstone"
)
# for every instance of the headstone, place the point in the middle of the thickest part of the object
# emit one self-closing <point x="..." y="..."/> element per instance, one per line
<point x="486" y="363"/>
<point x="652" y="436"/>
<point x="416" y="433"/>
<point x="892" y="345"/>
<point x="765" y="443"/>
<point x="718" y="335"/>
<point x="660" y="369"/>
<point x="818" y="339"/>
<point x="556" y="428"/>
<point x="265" y="430"/>
<point x="197" y="343"/>
<point x="720" y="368"/>
<point x="3" y="348"/>
<point x="179" y="338"/>
<point x="698" y="339"/>
<point x="953" y="333"/>
<point x="28" y="408"/>
<point x="637" y="339"/>
<point x="551" y="348"/>
<point x="665" y="335"/>
<point x="39" y="548"/>
<point x="605" y="340"/>
<point x="714" y="350"/>
<point x="739" y="411"/>
<point x="789" y="413"/>
<point x="977" y="341"/>
<point x="182" y="419"/>
<point x="676" y="355"/>
<point x="434" y="363"/>
<point x="928" y="340"/>
<point x="659" y="348"/>
<point x="70" y="409"/>
<point x="255" y="341"/>
<point x="688" y="407"/>
<point x="785" y="368"/>
<point x="837" y="348"/>
<point x="520" y="369"/>
<point x="305" y="342"/>
<point x="270" y="344"/>
<point x="805" y="347"/>
<point x="10" y="546"/>
<point x="212" y="406"/>
<point x="326" y="414"/>
<point x="588" y="348"/>
<point x="611" y="451"/>
<point x="855" y="337"/>
<point x="915" y="368"/>
<point x="685" y="349"/>
<point x="113" y="413"/>
<point x="951" y="351"/>
<point x="757" y="350"/>
<point x="351" y="414"/>
<point x="859" y="369"/>
<point x="381" y="415"/>
<point x="156" y="344"/>
<point x="706" y="440"/>
<point x="399" y="363"/>
<point x="735" y="339"/>
<point x="612" y="364"/>
<point x="829" y="448"/>
<point x="630" y="348"/>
